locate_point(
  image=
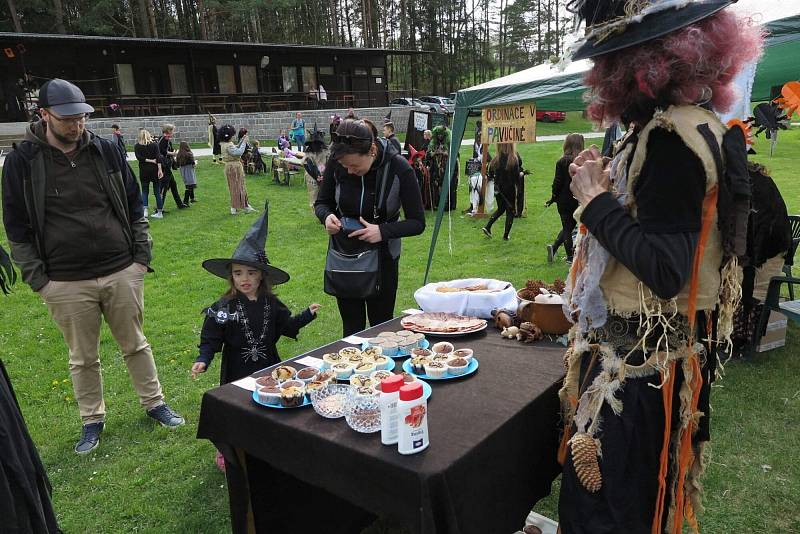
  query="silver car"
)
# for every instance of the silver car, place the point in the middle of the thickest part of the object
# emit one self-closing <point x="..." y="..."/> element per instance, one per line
<point x="439" y="104"/>
<point x="405" y="102"/>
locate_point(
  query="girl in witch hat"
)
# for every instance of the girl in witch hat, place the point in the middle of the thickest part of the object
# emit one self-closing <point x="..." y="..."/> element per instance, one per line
<point x="247" y="321"/>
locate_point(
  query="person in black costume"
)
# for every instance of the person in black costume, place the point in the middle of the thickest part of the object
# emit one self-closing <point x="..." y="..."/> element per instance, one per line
<point x="506" y="172"/>
<point x="168" y="154"/>
<point x="25" y="490"/>
<point x="562" y="197"/>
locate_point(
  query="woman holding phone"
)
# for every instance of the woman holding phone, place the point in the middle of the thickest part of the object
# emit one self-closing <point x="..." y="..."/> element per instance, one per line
<point x="365" y="185"/>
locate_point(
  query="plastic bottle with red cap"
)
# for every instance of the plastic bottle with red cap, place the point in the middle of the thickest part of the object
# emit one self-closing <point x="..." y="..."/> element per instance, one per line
<point x="390" y="395"/>
<point x="412" y="417"/>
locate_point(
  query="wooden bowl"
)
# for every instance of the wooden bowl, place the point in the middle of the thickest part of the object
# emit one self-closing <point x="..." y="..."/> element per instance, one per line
<point x="550" y="319"/>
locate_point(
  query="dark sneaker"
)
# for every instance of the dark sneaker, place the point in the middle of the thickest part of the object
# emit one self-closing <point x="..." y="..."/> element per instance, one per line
<point x="166" y="416"/>
<point x="90" y="438"/>
<point x="487" y="232"/>
<point x="550" y="254"/>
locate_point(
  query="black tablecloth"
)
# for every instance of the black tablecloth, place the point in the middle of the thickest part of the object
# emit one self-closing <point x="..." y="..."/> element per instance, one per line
<point x="493" y="434"/>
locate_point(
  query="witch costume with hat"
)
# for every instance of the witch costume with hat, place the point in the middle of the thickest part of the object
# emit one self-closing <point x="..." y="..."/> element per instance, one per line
<point x="246" y="323"/>
<point x="315" y="157"/>
<point x="654" y="281"/>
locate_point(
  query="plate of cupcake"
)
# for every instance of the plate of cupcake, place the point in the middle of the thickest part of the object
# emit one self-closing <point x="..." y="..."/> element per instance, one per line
<point x="286" y="387"/>
<point x="397" y="344"/>
<point x="443" y="362"/>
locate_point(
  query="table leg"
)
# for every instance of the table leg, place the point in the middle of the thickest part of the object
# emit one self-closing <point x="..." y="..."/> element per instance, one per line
<point x="242" y="520"/>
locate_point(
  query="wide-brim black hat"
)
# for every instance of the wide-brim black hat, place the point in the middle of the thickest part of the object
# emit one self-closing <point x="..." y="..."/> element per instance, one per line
<point x="250" y="252"/>
<point x="610" y="29"/>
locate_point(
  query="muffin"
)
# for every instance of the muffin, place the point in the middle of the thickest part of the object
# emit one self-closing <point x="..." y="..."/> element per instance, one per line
<point x="406" y="346"/>
<point x="292" y="384"/>
<point x="355" y="359"/>
<point x="379" y="375"/>
<point x="440" y="358"/>
<point x="418" y="364"/>
<point x="443" y="347"/>
<point x="382" y="362"/>
<point x="373" y="341"/>
<point x="270" y="394"/>
<point x="462" y="353"/>
<point x="385" y="334"/>
<point x="404" y="333"/>
<point x="343" y="370"/>
<point x="325" y="376"/>
<point x="306" y="374"/>
<point x="292" y="397"/>
<point x="419" y="338"/>
<point x="361" y="381"/>
<point x="364" y="368"/>
<point x="266" y="381"/>
<point x="313" y="386"/>
<point x="389" y="348"/>
<point x="457" y="366"/>
<point x="283" y="373"/>
<point x="372" y="352"/>
<point x="408" y="377"/>
<point x="365" y="391"/>
<point x="347" y="352"/>
<point x="436" y="369"/>
<point x="332" y="358"/>
<point x="425" y="353"/>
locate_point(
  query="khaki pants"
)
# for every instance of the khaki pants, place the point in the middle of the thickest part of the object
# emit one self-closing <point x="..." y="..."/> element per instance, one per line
<point x="77" y="308"/>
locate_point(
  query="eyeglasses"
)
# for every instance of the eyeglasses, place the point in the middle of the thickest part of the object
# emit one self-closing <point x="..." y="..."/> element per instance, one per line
<point x="76" y="120"/>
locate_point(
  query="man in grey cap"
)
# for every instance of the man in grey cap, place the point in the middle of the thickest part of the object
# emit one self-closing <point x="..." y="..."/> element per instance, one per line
<point x="64" y="188"/>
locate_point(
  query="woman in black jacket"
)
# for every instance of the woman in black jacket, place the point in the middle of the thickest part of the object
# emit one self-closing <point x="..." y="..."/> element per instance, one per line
<point x="168" y="154"/>
<point x="562" y="197"/>
<point x="358" y="221"/>
<point x="505" y="170"/>
<point x="150" y="171"/>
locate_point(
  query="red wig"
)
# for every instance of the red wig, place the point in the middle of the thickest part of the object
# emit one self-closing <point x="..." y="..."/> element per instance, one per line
<point x="692" y="65"/>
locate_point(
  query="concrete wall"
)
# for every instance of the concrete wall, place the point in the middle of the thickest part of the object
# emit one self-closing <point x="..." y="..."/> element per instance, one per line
<point x="261" y="126"/>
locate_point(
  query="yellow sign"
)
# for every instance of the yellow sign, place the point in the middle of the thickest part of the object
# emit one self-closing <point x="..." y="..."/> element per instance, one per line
<point x="509" y="124"/>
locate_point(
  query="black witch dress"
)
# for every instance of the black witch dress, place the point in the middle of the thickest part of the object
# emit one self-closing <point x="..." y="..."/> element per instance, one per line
<point x="246" y="331"/>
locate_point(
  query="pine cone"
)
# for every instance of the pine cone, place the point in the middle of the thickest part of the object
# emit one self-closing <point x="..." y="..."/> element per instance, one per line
<point x="584" y="457"/>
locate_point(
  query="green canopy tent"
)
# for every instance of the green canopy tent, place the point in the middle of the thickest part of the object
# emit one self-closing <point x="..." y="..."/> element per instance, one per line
<point x="551" y="88"/>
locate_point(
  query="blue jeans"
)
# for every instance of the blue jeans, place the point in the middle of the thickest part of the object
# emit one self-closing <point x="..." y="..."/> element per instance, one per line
<point x="300" y="140"/>
<point x="156" y="191"/>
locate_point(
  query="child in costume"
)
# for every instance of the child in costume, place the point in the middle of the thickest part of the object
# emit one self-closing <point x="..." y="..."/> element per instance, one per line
<point x="234" y="172"/>
<point x="186" y="162"/>
<point x="314" y="161"/>
<point x="213" y="140"/>
<point x="653" y="285"/>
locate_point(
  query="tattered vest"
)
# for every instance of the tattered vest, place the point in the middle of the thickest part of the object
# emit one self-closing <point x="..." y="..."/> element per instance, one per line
<point x="227" y="156"/>
<point x="621" y="288"/>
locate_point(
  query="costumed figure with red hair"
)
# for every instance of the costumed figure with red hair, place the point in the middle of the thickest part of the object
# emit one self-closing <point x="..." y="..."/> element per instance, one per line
<point x="655" y="278"/>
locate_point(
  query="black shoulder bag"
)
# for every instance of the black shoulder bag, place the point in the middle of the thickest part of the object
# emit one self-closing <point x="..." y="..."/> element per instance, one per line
<point x="356" y="276"/>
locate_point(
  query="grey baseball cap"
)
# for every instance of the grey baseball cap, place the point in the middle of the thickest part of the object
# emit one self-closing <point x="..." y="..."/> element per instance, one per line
<point x="63" y="97"/>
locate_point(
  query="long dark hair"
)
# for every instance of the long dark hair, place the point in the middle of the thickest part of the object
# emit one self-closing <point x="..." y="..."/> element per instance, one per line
<point x="185" y="155"/>
<point x="264" y="288"/>
<point x="353" y="137"/>
<point x="509" y="150"/>
<point x="573" y="145"/>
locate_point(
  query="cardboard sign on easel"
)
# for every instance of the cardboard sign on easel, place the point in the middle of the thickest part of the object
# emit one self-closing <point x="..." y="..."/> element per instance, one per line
<point x="515" y="123"/>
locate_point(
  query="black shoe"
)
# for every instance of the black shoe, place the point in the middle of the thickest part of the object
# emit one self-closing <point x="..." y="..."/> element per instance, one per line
<point x="90" y="438"/>
<point x="487" y="232"/>
<point x="182" y="206"/>
<point x="166" y="416"/>
<point x="568" y="260"/>
<point x="505" y="238"/>
<point x="550" y="253"/>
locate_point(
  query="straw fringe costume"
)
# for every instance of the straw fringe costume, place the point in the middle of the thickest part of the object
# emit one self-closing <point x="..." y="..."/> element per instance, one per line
<point x="639" y="367"/>
<point x="234" y="172"/>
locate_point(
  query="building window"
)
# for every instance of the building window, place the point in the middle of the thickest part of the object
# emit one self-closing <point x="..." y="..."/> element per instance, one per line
<point x="125" y="80"/>
<point x="227" y="81"/>
<point x="377" y="71"/>
<point x="326" y="71"/>
<point x="309" y="79"/>
<point x="289" y="79"/>
<point x="249" y="77"/>
<point x="359" y="71"/>
<point x="177" y="80"/>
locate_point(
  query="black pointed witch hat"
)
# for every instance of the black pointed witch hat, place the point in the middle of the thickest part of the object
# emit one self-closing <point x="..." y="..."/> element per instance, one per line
<point x="250" y="252"/>
<point x="387" y="120"/>
<point x="612" y="25"/>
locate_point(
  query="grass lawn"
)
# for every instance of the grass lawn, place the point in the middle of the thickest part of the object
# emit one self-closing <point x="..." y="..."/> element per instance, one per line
<point x="148" y="479"/>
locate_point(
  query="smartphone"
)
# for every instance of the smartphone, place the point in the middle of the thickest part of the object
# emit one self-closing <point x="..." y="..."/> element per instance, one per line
<point x="350" y="225"/>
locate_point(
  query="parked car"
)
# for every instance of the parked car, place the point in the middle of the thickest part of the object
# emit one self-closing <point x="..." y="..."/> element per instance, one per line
<point x="550" y="116"/>
<point x="438" y="104"/>
<point x="405" y="102"/>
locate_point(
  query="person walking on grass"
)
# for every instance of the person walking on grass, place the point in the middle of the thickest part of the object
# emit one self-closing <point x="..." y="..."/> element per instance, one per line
<point x="168" y="154"/>
<point x="150" y="171"/>
<point x="298" y="131"/>
<point x="562" y="197"/>
<point x="62" y="187"/>
<point x="118" y="140"/>
<point x="234" y="172"/>
<point x="246" y="323"/>
<point x="506" y="172"/>
<point x="187" y="163"/>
